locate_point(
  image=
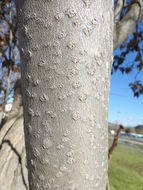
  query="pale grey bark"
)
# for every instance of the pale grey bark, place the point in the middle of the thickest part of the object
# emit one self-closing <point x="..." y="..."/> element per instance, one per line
<point x="66" y="54"/>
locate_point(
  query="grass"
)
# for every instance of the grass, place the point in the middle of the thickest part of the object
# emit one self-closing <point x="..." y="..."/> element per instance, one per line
<point x="126" y="168"/>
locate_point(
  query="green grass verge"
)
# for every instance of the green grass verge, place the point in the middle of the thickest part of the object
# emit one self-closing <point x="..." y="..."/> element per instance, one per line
<point x="126" y="168"/>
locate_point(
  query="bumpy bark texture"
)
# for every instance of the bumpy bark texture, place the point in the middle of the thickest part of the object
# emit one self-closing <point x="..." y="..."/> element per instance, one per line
<point x="66" y="53"/>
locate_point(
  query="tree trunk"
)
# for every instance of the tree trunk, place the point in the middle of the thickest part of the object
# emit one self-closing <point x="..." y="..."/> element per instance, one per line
<point x="66" y="54"/>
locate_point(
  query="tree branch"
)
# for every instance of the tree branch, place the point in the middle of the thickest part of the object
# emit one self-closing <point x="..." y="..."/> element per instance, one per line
<point x="115" y="141"/>
<point x="118" y="10"/>
<point x="8" y="142"/>
<point x="127" y="24"/>
<point x="10" y="65"/>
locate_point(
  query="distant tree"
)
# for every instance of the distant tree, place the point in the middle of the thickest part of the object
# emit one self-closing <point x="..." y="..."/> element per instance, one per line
<point x="9" y="53"/>
<point x="128" y="130"/>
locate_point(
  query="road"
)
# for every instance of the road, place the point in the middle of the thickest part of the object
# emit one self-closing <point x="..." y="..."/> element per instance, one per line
<point x="128" y="141"/>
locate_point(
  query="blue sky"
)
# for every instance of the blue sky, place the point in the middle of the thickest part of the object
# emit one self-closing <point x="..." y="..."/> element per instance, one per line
<point x="123" y="106"/>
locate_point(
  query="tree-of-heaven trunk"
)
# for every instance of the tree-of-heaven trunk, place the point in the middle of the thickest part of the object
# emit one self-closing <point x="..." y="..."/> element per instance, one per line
<point x="66" y="54"/>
